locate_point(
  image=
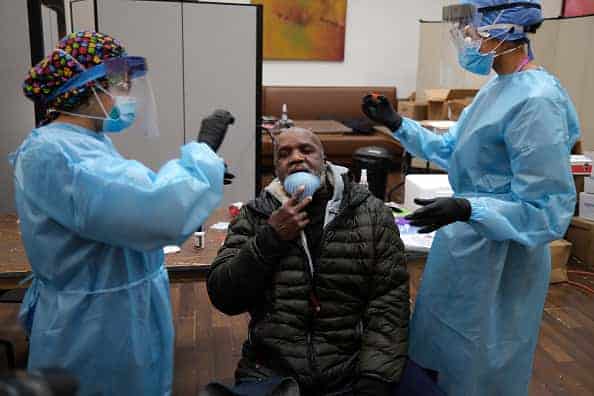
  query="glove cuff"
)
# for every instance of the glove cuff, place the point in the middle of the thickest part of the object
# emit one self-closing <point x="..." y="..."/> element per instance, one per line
<point x="394" y="126"/>
<point x="465" y="208"/>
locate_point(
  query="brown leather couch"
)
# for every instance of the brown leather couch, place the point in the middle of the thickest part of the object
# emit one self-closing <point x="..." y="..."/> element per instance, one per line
<point x="315" y="103"/>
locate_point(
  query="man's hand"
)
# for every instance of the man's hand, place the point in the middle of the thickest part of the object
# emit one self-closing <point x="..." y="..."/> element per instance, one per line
<point x="214" y="127"/>
<point x="290" y="219"/>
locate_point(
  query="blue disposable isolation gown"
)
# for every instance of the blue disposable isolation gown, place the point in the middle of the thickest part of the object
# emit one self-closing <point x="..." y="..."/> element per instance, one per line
<point x="480" y="304"/>
<point x="94" y="225"/>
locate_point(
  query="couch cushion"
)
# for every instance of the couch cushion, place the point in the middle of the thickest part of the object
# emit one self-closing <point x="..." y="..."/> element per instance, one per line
<point x="313" y="103"/>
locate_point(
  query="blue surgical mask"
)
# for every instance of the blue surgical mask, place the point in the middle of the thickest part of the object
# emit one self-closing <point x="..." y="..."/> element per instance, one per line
<point x="471" y="59"/>
<point x="122" y="114"/>
<point x="310" y="181"/>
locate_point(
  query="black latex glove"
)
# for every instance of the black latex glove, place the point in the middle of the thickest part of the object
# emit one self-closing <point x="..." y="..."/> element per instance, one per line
<point x="439" y="212"/>
<point x="228" y="176"/>
<point x="380" y="110"/>
<point x="367" y="386"/>
<point x="214" y="127"/>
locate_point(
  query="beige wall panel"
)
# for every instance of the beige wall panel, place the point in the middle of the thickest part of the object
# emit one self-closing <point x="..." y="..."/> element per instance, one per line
<point x="586" y="106"/>
<point x="545" y="44"/>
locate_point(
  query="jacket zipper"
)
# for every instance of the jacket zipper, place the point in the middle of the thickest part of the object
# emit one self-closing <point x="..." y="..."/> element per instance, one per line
<point x="314" y="300"/>
<point x="313" y="303"/>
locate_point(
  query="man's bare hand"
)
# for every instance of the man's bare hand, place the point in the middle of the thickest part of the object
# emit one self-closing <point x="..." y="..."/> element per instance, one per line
<point x="290" y="219"/>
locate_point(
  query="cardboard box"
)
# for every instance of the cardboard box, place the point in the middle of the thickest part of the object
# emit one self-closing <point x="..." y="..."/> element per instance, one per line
<point x="581" y="236"/>
<point x="560" y="252"/>
<point x="586" y="205"/>
<point x="456" y="106"/>
<point x="413" y="110"/>
<point x="437" y="101"/>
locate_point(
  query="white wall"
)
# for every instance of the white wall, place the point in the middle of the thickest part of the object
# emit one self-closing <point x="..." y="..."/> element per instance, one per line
<point x="381" y="46"/>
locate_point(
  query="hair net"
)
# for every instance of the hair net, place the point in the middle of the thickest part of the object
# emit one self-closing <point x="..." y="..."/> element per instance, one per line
<point x="520" y="15"/>
<point x="73" y="54"/>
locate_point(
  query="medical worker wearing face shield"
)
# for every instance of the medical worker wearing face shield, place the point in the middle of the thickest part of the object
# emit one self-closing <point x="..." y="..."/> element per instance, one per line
<point x="479" y="308"/>
<point x="94" y="223"/>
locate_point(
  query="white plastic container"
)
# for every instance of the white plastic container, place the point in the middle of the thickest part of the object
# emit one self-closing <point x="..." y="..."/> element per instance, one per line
<point x="586" y="208"/>
<point x="363" y="180"/>
<point x="199" y="239"/>
<point x="589" y="184"/>
<point x="425" y="186"/>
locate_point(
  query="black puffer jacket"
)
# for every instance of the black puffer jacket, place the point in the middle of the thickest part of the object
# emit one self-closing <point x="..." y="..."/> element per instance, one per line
<point x="348" y="320"/>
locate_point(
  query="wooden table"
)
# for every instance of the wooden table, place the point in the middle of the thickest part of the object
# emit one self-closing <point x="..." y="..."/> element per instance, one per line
<point x="185" y="266"/>
<point x="324" y="126"/>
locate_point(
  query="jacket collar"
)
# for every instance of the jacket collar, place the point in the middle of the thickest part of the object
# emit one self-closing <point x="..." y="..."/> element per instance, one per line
<point x="345" y="194"/>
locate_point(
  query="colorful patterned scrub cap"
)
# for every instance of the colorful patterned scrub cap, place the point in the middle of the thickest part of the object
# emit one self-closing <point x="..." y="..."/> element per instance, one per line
<point x="74" y="54"/>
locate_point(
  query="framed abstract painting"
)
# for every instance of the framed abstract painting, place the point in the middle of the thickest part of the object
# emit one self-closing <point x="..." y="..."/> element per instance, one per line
<point x="572" y="8"/>
<point x="304" y="29"/>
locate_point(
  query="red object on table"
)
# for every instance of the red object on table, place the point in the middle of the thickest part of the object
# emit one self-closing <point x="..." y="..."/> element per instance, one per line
<point x="234" y="210"/>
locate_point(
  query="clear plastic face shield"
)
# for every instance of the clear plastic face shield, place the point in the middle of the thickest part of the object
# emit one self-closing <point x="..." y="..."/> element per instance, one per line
<point x="469" y="32"/>
<point x="453" y="30"/>
<point x="131" y="105"/>
<point x="464" y="25"/>
<point x="462" y="21"/>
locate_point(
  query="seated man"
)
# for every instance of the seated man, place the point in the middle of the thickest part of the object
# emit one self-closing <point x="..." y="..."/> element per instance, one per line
<point x="324" y="281"/>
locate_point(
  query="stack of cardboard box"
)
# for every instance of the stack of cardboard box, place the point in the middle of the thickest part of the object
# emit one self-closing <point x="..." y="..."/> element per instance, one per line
<point x="581" y="229"/>
<point x="447" y="104"/>
<point x="582" y="166"/>
<point x="412" y="109"/>
<point x="560" y="252"/>
<point x="580" y="235"/>
<point x="442" y="104"/>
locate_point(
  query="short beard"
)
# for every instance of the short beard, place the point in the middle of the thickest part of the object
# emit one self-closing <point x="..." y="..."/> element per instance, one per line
<point x="323" y="174"/>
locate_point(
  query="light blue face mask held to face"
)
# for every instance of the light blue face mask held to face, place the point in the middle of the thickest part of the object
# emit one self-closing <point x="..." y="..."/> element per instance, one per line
<point x="310" y="181"/>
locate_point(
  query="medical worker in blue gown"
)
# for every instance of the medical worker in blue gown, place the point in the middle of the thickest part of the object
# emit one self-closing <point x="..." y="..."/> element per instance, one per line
<point x="94" y="223"/>
<point x="479" y="307"/>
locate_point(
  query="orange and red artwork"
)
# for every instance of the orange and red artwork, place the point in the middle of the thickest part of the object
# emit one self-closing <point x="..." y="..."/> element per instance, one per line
<point x="304" y="29"/>
<point x="574" y="8"/>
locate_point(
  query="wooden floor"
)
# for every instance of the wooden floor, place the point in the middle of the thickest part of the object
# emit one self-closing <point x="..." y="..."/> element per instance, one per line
<point x="208" y="344"/>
